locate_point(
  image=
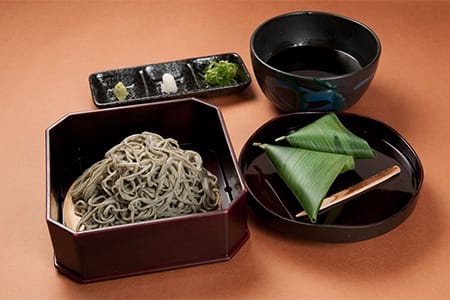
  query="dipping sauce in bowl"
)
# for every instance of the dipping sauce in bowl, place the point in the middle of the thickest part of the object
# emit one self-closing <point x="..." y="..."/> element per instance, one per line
<point x="314" y="61"/>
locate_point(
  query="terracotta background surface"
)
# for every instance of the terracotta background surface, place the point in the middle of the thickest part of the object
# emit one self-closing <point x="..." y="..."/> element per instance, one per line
<point x="47" y="51"/>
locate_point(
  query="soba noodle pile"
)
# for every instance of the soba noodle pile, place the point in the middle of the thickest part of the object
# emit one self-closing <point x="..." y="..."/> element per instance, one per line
<point x="145" y="177"/>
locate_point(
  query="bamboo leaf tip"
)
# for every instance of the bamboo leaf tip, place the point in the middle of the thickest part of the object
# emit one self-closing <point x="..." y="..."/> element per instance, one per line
<point x="281" y="138"/>
<point x="256" y="144"/>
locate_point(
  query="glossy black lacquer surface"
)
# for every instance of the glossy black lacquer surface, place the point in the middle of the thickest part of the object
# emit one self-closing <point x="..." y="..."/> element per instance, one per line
<point x="365" y="216"/>
<point x="314" y="61"/>
<point x="143" y="83"/>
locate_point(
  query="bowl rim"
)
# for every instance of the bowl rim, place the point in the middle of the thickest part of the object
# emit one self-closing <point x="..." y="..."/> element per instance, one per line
<point x="374" y="60"/>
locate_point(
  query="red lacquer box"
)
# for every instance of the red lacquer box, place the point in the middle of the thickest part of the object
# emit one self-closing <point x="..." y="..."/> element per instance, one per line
<point x="78" y="140"/>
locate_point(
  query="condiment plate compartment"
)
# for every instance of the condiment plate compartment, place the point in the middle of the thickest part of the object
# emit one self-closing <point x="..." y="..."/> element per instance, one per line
<point x="143" y="83"/>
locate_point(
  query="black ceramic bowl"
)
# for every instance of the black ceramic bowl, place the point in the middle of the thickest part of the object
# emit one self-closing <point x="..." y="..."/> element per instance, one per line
<point x="314" y="61"/>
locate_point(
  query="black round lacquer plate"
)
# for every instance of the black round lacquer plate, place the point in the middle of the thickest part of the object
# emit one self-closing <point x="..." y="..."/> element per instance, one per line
<point x="365" y="216"/>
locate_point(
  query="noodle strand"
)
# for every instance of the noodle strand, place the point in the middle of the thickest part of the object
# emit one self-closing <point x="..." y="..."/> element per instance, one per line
<point x="145" y="177"/>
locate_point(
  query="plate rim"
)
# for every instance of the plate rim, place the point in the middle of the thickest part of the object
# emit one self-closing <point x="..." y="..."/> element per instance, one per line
<point x="396" y="218"/>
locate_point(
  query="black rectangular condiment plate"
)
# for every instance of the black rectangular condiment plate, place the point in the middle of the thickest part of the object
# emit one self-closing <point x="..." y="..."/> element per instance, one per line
<point x="143" y="83"/>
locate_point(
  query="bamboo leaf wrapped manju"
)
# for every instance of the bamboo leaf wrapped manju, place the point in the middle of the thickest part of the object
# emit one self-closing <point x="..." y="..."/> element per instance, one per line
<point x="328" y="134"/>
<point x="317" y="154"/>
<point x="308" y="174"/>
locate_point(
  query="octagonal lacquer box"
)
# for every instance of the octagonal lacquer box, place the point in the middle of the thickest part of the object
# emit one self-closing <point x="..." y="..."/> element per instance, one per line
<point x="78" y="140"/>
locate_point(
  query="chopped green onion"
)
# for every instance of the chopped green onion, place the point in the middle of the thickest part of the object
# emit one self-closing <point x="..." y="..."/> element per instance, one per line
<point x="220" y="73"/>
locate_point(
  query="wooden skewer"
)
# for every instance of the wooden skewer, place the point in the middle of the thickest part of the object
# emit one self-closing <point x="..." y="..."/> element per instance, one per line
<point x="357" y="188"/>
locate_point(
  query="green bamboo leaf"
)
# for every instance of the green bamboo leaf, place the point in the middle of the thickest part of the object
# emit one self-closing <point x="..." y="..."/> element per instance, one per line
<point x="308" y="174"/>
<point x="328" y="134"/>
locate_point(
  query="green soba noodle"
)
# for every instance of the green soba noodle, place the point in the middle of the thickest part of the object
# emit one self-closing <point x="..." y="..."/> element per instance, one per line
<point x="145" y="177"/>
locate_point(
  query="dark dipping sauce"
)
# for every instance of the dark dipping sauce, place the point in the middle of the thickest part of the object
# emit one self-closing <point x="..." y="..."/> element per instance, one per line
<point x="314" y="61"/>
